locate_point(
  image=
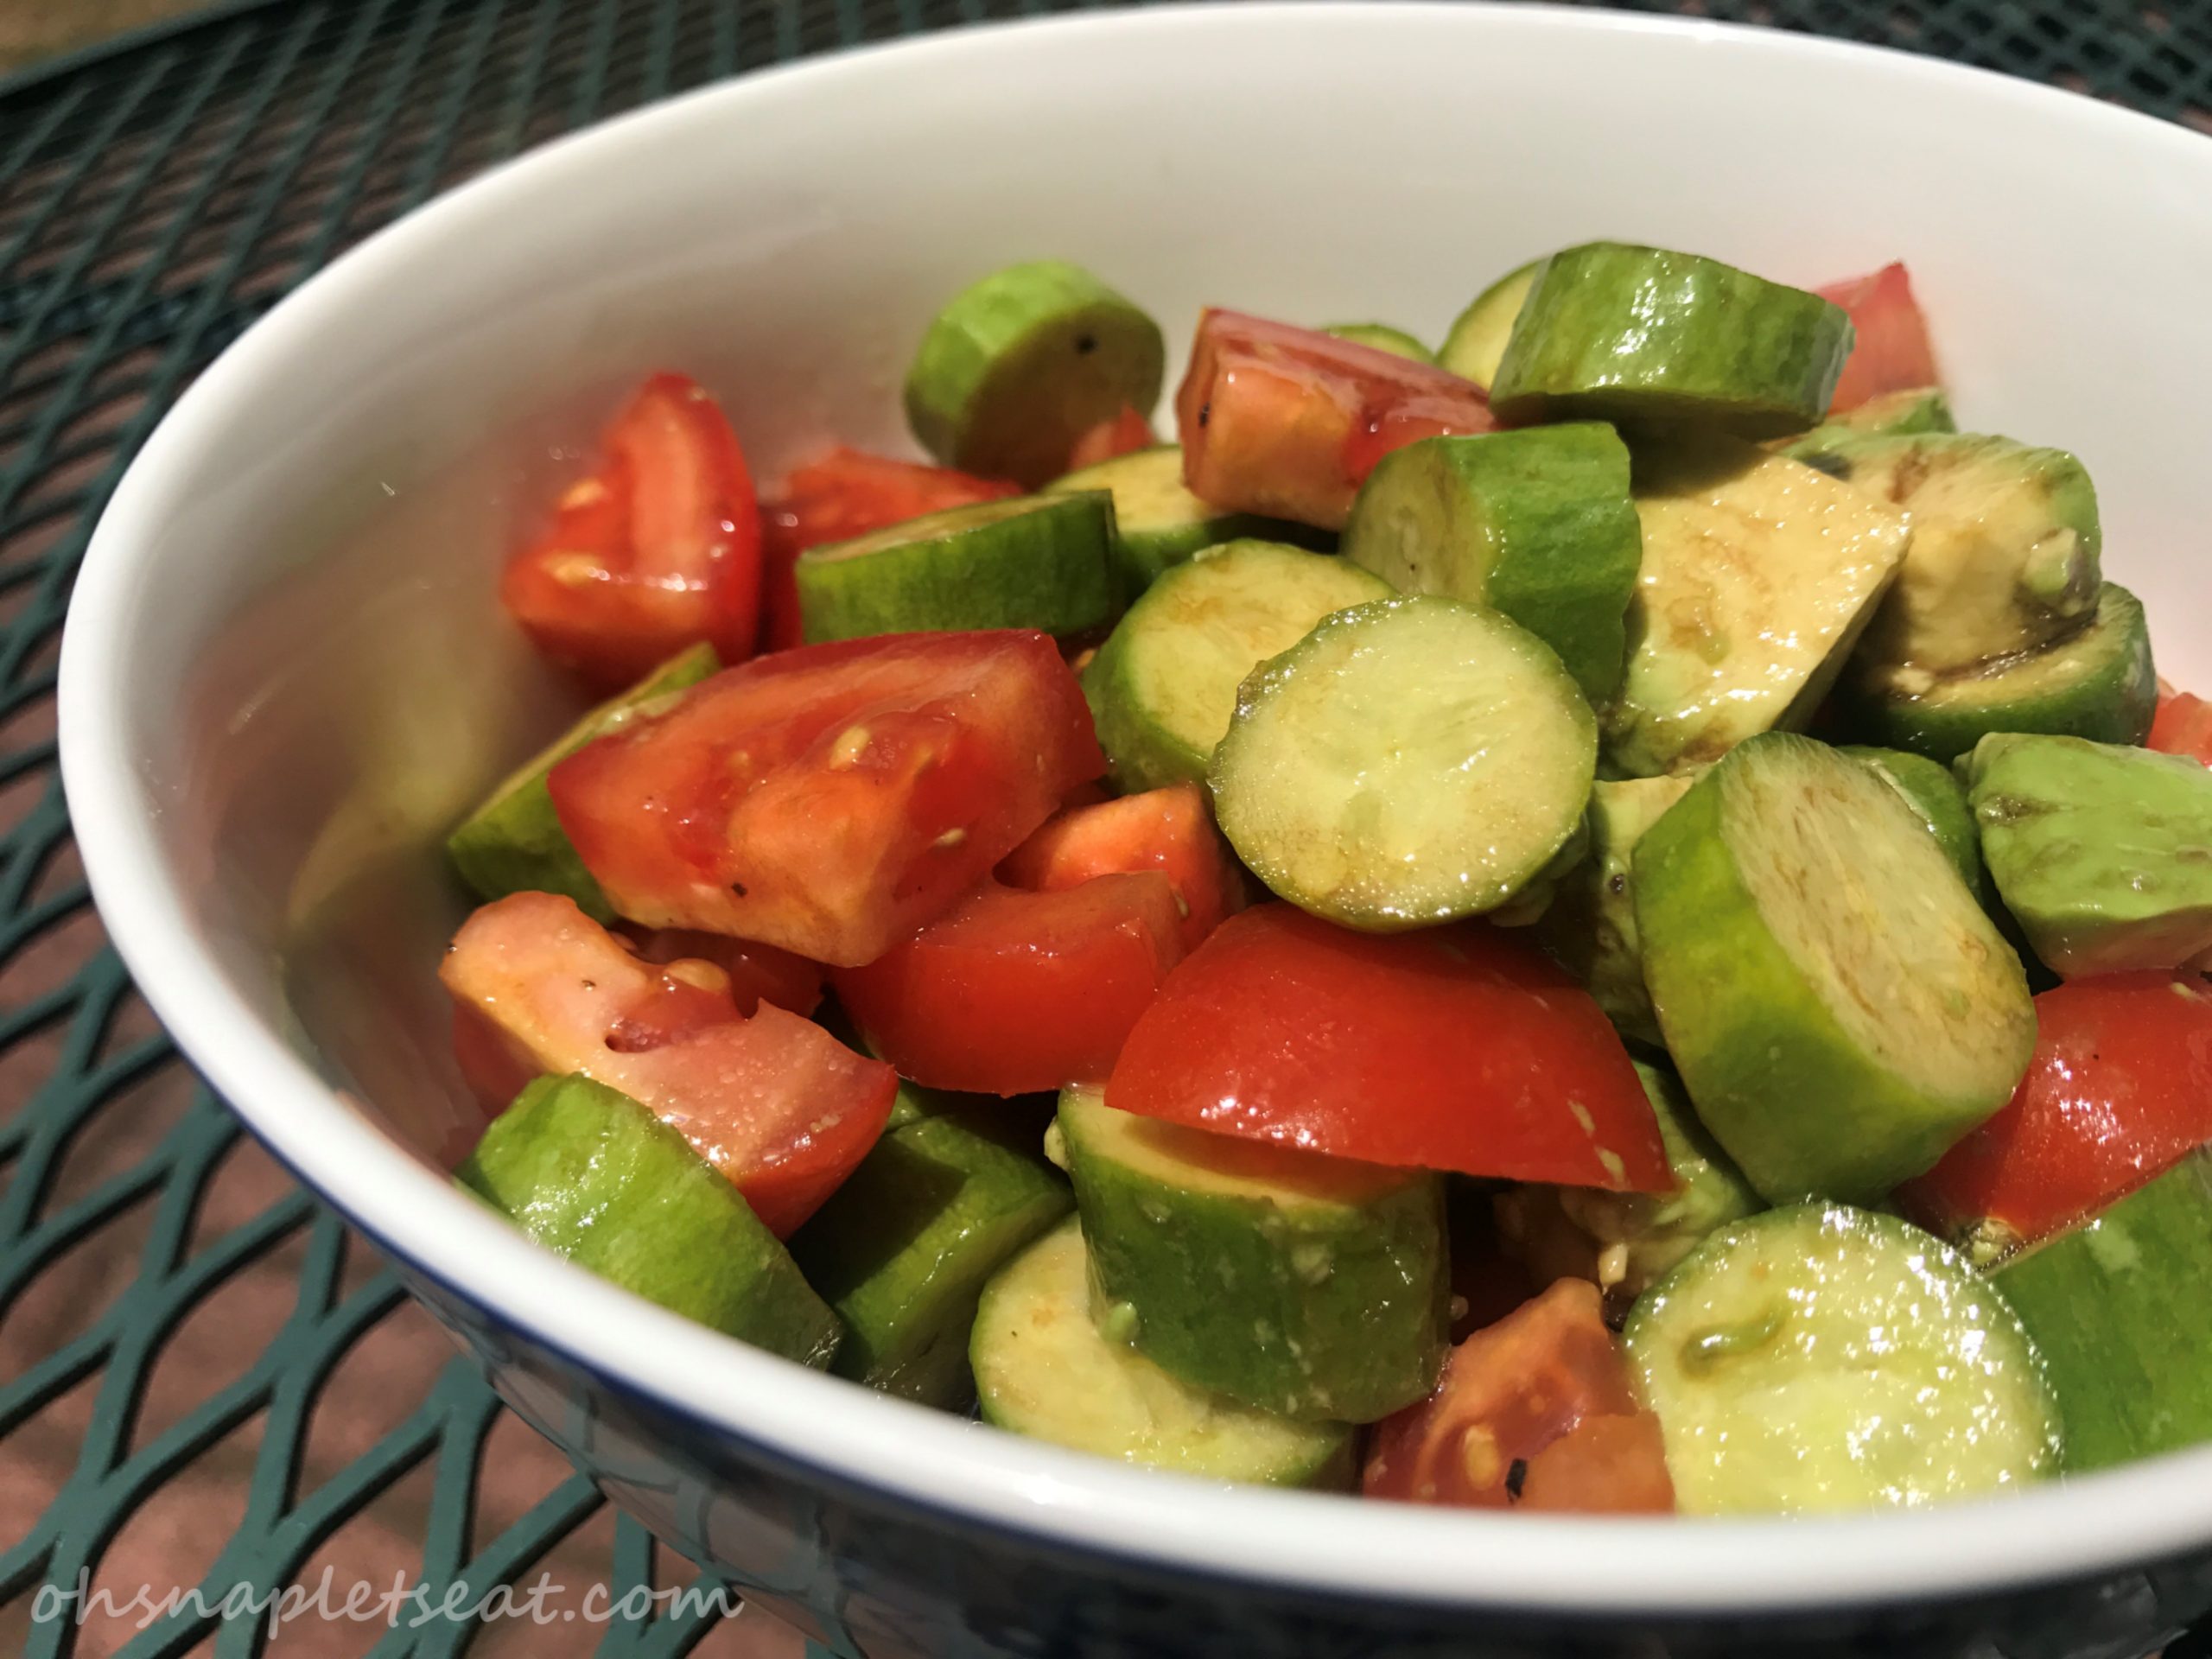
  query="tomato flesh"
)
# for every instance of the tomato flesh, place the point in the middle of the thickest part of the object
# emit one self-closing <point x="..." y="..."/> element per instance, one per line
<point x="1535" y="1412"/>
<point x="832" y="799"/>
<point x="850" y="492"/>
<point x="2120" y="1089"/>
<point x="757" y="973"/>
<point x="1289" y="422"/>
<point x="1169" y="829"/>
<point x="657" y="550"/>
<point x="2182" y="725"/>
<point x="1891" y="351"/>
<point x="1452" y="1048"/>
<point x="1126" y="433"/>
<point x="773" y="1101"/>
<point x="1015" y="992"/>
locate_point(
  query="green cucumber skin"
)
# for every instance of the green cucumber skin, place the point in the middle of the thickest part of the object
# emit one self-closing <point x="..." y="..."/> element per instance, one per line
<point x="1893" y="415"/>
<point x="514" y="841"/>
<point x="1475" y="343"/>
<point x="902" y="1249"/>
<point x="1729" y="350"/>
<point x="1381" y="337"/>
<point x="2109" y="698"/>
<point x="1002" y="383"/>
<point x="1590" y="926"/>
<point x="1546" y="533"/>
<point x="1723" y="987"/>
<point x="1049" y="568"/>
<point x="1221" y="1302"/>
<point x="2116" y="1309"/>
<point x="593" y="1176"/>
<point x="1148" y="544"/>
<point x="1930" y="789"/>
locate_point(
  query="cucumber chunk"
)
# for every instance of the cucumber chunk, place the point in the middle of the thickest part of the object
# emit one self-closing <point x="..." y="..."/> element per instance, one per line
<point x="2004" y="556"/>
<point x="1537" y="524"/>
<point x="592" y="1175"/>
<point x="1839" y="1007"/>
<point x="2118" y="1310"/>
<point x="1476" y="343"/>
<point x="1408" y="762"/>
<point x="1042" y="561"/>
<point x="1301" y="1284"/>
<point x="1163" y="687"/>
<point x="1381" y="337"/>
<point x="514" y="841"/>
<point x="902" y="1249"/>
<point x="1157" y="521"/>
<point x="1591" y="924"/>
<point x="1825" y="1358"/>
<point x="1043" y="1369"/>
<point x="1758" y="575"/>
<point x="1931" y="790"/>
<point x="1892" y="414"/>
<point x="2101" y="684"/>
<point x="2103" y="854"/>
<point x="1614" y="333"/>
<point x="1019" y="366"/>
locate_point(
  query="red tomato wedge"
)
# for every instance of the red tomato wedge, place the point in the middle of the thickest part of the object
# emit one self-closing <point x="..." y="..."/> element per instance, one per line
<point x="2182" y="726"/>
<point x="1015" y="992"/>
<point x="1453" y="1048"/>
<point x="1124" y="434"/>
<point x="773" y="1101"/>
<point x="1892" y="352"/>
<point x="2120" y="1089"/>
<point x="1533" y="1413"/>
<point x="849" y="492"/>
<point x="757" y="973"/>
<point x="1169" y="829"/>
<point x="1289" y="422"/>
<point x="659" y="549"/>
<point x="832" y="799"/>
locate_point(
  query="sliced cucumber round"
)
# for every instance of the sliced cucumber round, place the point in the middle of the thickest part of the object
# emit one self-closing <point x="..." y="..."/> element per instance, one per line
<point x="1017" y="367"/>
<point x="1590" y="925"/>
<point x="1163" y="687"/>
<point x="1042" y="561"/>
<point x="1892" y="414"/>
<point x="2118" y="1310"/>
<point x="1841" y="1008"/>
<point x="1931" y="790"/>
<point x="1824" y="1358"/>
<point x="1158" y="522"/>
<point x="2101" y="684"/>
<point x="1408" y="762"/>
<point x="1537" y="524"/>
<point x="514" y="841"/>
<point x="1302" y="1284"/>
<point x="1476" y="342"/>
<point x="592" y="1175"/>
<point x="1610" y="332"/>
<point x="1043" y="1369"/>
<point x="1381" y="337"/>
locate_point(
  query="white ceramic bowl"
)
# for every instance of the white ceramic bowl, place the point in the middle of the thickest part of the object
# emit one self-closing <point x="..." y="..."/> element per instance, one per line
<point x="285" y="674"/>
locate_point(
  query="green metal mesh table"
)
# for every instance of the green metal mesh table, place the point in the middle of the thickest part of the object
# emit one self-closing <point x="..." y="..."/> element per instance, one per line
<point x="203" y="1379"/>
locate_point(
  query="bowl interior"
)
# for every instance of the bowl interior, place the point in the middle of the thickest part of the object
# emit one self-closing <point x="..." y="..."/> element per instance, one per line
<point x="301" y="672"/>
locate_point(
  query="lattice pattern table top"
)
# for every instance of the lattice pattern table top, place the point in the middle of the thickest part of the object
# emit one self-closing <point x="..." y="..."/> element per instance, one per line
<point x="197" y="1364"/>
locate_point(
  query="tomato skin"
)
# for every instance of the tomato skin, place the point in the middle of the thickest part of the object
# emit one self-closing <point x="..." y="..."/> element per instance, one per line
<point x="775" y="1103"/>
<point x="1451" y="1048"/>
<point x="845" y="494"/>
<point x="1126" y="433"/>
<point x="1169" y="829"/>
<point x="2119" y="1090"/>
<point x="1544" y="1388"/>
<point x="659" y="548"/>
<point x="1289" y="422"/>
<point x="757" y="973"/>
<point x="1015" y="992"/>
<point x="1892" y="352"/>
<point x="2182" y="726"/>
<point x="831" y="800"/>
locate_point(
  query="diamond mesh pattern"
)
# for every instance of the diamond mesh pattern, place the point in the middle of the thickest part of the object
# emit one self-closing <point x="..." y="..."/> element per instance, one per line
<point x="155" y="198"/>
